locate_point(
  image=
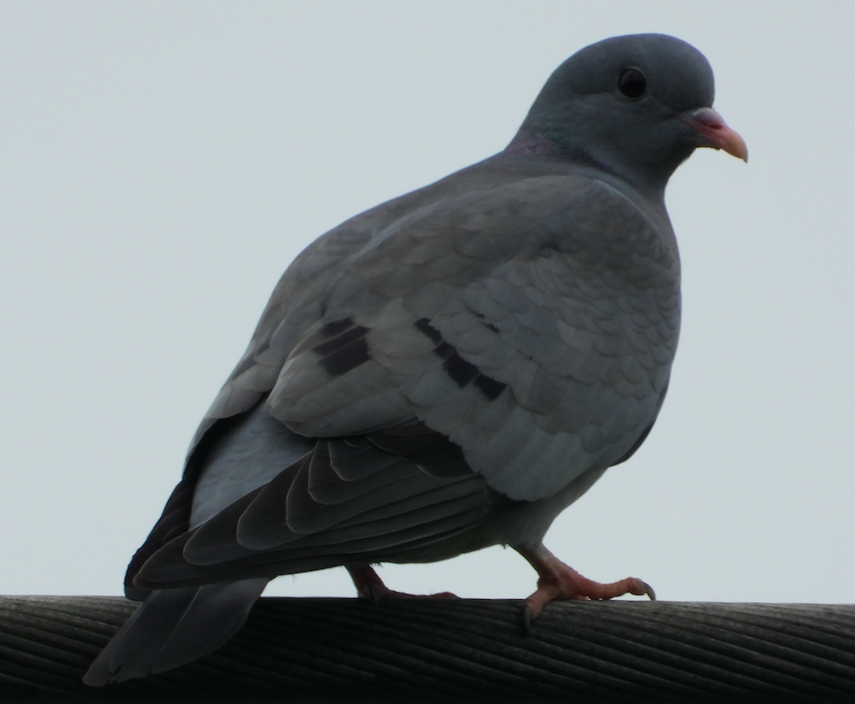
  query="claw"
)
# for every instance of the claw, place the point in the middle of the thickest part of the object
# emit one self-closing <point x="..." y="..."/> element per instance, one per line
<point x="649" y="591"/>
<point x="526" y="619"/>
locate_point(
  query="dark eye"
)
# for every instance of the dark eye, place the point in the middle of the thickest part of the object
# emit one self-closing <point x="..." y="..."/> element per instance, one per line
<point x="632" y="83"/>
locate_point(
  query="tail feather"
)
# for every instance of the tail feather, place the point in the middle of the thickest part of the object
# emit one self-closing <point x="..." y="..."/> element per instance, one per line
<point x="173" y="627"/>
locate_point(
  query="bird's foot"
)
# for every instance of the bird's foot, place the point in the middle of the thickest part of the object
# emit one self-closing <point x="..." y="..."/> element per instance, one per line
<point x="369" y="586"/>
<point x="560" y="581"/>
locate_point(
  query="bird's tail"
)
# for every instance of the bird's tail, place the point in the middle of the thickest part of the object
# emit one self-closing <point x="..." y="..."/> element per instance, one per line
<point x="173" y="627"/>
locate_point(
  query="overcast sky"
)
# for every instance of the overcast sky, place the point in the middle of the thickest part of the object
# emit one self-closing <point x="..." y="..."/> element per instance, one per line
<point x="161" y="163"/>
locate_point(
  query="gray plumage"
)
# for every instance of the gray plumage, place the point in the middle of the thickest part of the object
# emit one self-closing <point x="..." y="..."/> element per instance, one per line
<point x="446" y="371"/>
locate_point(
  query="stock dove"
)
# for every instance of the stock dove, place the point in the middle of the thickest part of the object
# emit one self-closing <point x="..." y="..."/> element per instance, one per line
<point x="446" y="371"/>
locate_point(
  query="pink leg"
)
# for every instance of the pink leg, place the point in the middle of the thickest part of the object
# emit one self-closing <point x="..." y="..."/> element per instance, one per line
<point x="560" y="581"/>
<point x="369" y="586"/>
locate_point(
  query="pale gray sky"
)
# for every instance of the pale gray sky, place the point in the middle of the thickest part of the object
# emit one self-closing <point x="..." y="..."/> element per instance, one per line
<point x="161" y="163"/>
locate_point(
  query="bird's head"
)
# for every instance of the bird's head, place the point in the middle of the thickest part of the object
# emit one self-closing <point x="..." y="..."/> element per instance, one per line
<point x="635" y="105"/>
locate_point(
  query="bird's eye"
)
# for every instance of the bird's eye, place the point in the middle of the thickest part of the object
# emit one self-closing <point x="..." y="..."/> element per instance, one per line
<point x="632" y="83"/>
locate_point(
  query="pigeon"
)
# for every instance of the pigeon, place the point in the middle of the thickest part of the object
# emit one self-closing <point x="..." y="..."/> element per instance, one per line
<point x="447" y="371"/>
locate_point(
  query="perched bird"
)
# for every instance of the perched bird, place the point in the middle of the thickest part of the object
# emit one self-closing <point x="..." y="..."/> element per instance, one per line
<point x="447" y="371"/>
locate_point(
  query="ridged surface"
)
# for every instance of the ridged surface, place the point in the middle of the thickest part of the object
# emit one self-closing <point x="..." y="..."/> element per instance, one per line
<point x="305" y="650"/>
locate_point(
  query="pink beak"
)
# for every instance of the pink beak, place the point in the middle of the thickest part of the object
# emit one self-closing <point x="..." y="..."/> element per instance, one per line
<point x="712" y="127"/>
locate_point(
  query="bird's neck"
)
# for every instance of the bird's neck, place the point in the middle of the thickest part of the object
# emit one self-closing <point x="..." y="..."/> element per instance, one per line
<point x="528" y="142"/>
<point x="537" y="144"/>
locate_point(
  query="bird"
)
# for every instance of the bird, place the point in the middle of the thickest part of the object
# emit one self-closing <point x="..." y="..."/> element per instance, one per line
<point x="446" y="371"/>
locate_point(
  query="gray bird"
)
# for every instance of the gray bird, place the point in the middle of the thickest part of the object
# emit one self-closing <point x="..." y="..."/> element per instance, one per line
<point x="447" y="371"/>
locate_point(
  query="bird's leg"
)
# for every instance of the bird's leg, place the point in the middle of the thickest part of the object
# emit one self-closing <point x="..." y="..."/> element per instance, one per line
<point x="560" y="581"/>
<point x="368" y="583"/>
<point x="369" y="586"/>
